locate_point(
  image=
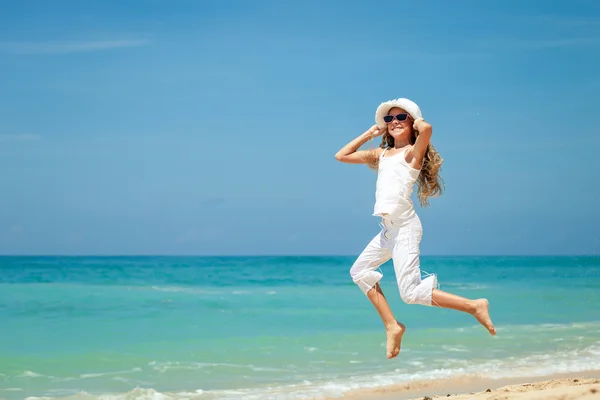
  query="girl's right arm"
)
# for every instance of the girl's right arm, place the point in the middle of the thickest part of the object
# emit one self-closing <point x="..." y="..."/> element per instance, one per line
<point x="349" y="154"/>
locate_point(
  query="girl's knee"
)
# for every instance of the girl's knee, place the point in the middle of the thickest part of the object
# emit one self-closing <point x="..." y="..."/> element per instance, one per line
<point x="366" y="280"/>
<point x="416" y="295"/>
<point x="408" y="298"/>
<point x="355" y="270"/>
<point x="417" y="291"/>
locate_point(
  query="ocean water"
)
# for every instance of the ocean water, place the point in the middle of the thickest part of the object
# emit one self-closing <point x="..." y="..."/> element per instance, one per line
<point x="278" y="327"/>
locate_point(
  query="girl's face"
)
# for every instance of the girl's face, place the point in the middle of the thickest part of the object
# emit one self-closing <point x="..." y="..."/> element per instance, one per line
<point x="396" y="128"/>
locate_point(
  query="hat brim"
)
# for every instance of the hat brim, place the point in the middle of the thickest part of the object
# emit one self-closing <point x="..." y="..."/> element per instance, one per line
<point x="407" y="105"/>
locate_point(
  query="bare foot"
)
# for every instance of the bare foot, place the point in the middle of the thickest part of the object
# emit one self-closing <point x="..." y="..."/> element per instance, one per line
<point x="394" y="338"/>
<point x="482" y="314"/>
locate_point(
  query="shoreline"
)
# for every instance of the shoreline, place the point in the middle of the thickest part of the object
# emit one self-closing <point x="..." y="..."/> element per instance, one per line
<point x="571" y="385"/>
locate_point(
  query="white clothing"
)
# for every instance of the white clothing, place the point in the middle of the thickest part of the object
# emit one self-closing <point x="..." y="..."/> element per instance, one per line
<point x="395" y="183"/>
<point x="399" y="238"/>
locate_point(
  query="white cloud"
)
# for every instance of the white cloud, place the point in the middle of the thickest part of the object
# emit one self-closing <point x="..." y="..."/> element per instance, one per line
<point x="498" y="45"/>
<point x="553" y="43"/>
<point x="559" y="20"/>
<point x="200" y="234"/>
<point x="19" y="137"/>
<point x="66" y="47"/>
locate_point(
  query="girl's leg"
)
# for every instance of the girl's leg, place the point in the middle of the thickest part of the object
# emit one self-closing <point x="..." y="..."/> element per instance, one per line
<point x="407" y="265"/>
<point x="394" y="330"/>
<point x="414" y="290"/>
<point x="478" y="308"/>
<point x="364" y="274"/>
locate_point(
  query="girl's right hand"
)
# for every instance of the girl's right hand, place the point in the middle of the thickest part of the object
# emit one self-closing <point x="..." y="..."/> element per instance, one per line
<point x="375" y="131"/>
<point x="350" y="153"/>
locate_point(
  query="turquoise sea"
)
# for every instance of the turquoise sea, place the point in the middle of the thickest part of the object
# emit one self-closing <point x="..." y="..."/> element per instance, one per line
<point x="278" y="327"/>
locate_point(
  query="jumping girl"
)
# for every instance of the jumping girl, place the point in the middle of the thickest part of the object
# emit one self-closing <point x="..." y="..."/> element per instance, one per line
<point x="405" y="157"/>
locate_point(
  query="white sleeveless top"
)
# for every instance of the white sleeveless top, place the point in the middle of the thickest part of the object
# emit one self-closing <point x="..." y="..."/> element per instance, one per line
<point x="395" y="183"/>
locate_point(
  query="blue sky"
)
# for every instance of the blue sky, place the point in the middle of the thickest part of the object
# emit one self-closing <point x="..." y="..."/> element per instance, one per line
<point x="193" y="127"/>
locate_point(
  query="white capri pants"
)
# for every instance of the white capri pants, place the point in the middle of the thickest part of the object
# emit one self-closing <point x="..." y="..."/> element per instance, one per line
<point x="399" y="240"/>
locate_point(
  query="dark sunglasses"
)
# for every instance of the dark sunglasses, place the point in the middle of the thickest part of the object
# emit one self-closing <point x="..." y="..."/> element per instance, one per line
<point x="399" y="117"/>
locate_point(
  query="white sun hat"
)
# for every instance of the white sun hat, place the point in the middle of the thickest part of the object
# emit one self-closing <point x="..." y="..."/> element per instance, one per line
<point x="407" y="105"/>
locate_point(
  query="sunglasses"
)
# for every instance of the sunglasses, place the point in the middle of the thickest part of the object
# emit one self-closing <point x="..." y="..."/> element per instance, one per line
<point x="399" y="117"/>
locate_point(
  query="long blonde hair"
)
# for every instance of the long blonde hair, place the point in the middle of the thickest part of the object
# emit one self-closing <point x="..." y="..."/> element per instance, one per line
<point x="429" y="183"/>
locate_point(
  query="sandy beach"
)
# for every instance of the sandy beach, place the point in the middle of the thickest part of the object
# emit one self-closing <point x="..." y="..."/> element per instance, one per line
<point x="560" y="389"/>
<point x="578" y="386"/>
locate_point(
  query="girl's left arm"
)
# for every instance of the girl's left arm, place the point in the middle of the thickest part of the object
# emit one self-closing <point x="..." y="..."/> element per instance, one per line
<point x="420" y="146"/>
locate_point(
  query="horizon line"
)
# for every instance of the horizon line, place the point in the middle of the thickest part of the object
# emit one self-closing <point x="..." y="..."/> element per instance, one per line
<point x="290" y="255"/>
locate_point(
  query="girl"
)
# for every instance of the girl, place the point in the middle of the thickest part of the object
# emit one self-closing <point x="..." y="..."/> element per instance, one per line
<point x="405" y="157"/>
